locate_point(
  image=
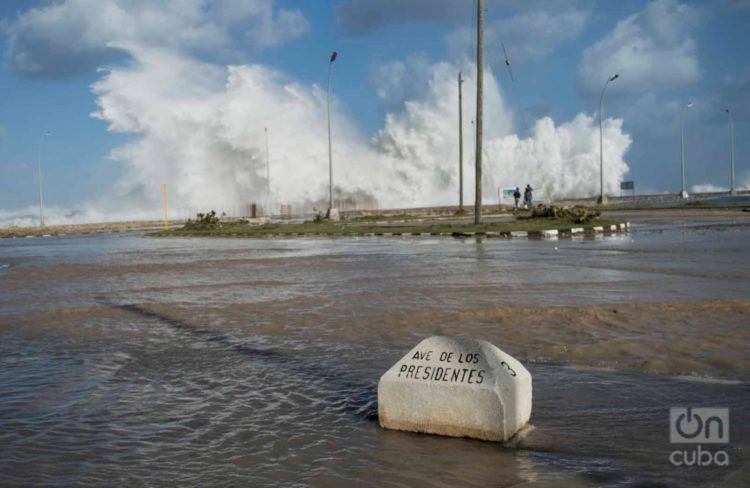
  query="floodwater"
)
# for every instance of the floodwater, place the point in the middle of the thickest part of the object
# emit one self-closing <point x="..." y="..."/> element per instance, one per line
<point x="237" y="362"/>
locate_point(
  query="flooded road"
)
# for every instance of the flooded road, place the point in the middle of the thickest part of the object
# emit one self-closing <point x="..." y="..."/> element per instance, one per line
<point x="134" y="360"/>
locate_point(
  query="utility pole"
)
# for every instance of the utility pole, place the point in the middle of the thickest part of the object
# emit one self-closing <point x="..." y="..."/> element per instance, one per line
<point x="330" y="152"/>
<point x="683" y="192"/>
<point x="268" y="174"/>
<point x="602" y="197"/>
<point x="460" y="146"/>
<point x="480" y="75"/>
<point x="164" y="203"/>
<point x="733" y="189"/>
<point x="268" y="167"/>
<point x="39" y="173"/>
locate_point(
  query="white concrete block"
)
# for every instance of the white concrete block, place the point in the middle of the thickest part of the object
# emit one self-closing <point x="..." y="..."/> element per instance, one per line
<point x="456" y="387"/>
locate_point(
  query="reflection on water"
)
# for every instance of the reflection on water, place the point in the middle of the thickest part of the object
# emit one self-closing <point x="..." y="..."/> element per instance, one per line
<point x="240" y="362"/>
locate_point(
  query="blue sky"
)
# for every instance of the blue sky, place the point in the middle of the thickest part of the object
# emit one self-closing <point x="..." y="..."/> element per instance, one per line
<point x="695" y="51"/>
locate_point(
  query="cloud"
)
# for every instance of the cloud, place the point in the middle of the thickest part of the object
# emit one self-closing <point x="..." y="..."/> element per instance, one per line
<point x="361" y="17"/>
<point x="536" y="33"/>
<point x="530" y="34"/>
<point x="732" y="93"/>
<point x="75" y="36"/>
<point x="651" y="50"/>
<point x="731" y="6"/>
<point x="653" y="115"/>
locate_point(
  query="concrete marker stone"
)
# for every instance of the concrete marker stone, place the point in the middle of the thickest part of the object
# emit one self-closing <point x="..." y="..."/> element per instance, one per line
<point x="456" y="387"/>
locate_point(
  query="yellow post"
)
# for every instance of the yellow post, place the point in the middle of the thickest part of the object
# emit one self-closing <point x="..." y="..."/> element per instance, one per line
<point x="164" y="192"/>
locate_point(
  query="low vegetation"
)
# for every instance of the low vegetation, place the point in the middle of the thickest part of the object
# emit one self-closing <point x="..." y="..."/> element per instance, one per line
<point x="207" y="221"/>
<point x="383" y="218"/>
<point x="574" y="215"/>
<point x="209" y="225"/>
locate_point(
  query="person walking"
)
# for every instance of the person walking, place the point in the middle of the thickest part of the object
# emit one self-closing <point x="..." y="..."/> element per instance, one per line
<point x="528" y="196"/>
<point x="517" y="196"/>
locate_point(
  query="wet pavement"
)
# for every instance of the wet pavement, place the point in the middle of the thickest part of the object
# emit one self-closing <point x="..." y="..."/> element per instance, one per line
<point x="134" y="360"/>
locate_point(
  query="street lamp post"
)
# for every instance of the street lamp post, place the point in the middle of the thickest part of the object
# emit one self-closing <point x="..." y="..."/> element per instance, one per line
<point x="39" y="173"/>
<point x="733" y="189"/>
<point x="602" y="197"/>
<point x="683" y="192"/>
<point x="268" y="173"/>
<point x="330" y="213"/>
<point x="460" y="146"/>
<point x="479" y="117"/>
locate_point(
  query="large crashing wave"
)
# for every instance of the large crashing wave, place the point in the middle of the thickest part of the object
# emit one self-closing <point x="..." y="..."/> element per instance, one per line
<point x="199" y="128"/>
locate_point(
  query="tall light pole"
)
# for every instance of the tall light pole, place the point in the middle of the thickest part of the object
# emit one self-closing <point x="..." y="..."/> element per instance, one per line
<point x="268" y="166"/>
<point x="602" y="197"/>
<point x="39" y="173"/>
<point x="480" y="89"/>
<point x="683" y="193"/>
<point x="460" y="146"/>
<point x="330" y="153"/>
<point x="733" y="189"/>
<point x="268" y="173"/>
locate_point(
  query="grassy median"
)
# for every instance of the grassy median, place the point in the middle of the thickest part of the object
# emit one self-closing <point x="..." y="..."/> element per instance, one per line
<point x="326" y="228"/>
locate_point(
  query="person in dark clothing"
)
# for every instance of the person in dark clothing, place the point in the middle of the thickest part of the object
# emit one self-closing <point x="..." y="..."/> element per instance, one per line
<point x="517" y="196"/>
<point x="528" y="196"/>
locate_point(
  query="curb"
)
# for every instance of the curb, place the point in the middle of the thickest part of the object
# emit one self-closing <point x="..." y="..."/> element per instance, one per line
<point x="552" y="234"/>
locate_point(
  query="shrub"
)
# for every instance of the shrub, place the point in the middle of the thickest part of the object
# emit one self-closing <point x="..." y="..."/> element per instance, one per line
<point x="203" y="221"/>
<point x="576" y="215"/>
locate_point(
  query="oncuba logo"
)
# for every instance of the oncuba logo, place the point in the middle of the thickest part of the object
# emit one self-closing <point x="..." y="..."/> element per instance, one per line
<point x="699" y="426"/>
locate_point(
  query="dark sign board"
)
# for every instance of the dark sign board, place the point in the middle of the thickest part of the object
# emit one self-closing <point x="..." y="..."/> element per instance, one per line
<point x="626" y="185"/>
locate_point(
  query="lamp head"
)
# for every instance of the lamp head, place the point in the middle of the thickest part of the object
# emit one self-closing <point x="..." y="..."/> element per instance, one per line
<point x="614" y="77"/>
<point x="690" y="104"/>
<point x="333" y="56"/>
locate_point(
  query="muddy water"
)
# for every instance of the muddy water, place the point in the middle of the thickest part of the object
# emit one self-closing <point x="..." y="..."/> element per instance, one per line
<point x="133" y="360"/>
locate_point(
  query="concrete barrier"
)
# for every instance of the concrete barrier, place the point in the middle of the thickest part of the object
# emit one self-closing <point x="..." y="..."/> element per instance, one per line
<point x="456" y="387"/>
